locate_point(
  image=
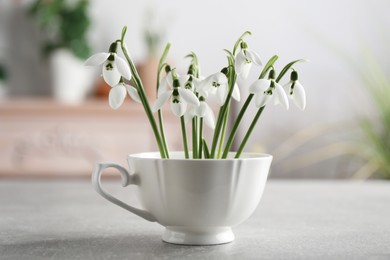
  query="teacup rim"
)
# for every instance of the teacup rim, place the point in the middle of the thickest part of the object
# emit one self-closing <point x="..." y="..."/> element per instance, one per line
<point x="156" y="155"/>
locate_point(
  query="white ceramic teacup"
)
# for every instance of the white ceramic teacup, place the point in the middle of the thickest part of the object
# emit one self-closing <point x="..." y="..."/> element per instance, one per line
<point x="197" y="200"/>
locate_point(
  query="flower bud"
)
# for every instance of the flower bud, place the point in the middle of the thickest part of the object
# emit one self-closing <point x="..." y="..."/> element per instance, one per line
<point x="225" y="71"/>
<point x="113" y="47"/>
<point x="294" y="76"/>
<point x="244" y="45"/>
<point x="271" y="74"/>
<point x="167" y="68"/>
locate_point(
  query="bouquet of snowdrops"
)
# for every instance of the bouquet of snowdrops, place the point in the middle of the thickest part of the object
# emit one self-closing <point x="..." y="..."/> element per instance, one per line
<point x="188" y="95"/>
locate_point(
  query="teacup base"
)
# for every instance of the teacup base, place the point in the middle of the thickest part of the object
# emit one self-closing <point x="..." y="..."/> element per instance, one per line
<point x="198" y="237"/>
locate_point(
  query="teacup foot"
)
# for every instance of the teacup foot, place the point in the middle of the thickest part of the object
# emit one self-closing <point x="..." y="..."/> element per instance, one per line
<point x="198" y="237"/>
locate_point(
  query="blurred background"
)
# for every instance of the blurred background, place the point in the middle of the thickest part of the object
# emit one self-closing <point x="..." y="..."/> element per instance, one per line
<point x="54" y="115"/>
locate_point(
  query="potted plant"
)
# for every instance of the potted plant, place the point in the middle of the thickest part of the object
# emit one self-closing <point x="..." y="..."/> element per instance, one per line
<point x="65" y="24"/>
<point x="198" y="194"/>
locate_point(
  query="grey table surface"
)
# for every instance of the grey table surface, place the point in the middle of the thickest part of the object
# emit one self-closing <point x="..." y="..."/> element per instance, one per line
<point x="294" y="220"/>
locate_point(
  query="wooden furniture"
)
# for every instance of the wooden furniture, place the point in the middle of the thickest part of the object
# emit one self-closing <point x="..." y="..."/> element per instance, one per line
<point x="39" y="137"/>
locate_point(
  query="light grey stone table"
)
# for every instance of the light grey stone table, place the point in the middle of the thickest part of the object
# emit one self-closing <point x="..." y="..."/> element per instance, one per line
<point x="295" y="220"/>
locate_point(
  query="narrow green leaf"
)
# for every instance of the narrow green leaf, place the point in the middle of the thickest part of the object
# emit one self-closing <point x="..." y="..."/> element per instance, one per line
<point x="287" y="67"/>
<point x="268" y="66"/>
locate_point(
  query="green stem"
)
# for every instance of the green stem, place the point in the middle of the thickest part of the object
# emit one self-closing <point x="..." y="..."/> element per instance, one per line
<point x="225" y="120"/>
<point x="206" y="150"/>
<point x="141" y="91"/>
<point x="194" y="137"/>
<point x="234" y="130"/>
<point x="217" y="131"/>
<point x="200" y="137"/>
<point x="162" y="131"/>
<point x="184" y="134"/>
<point x="224" y="109"/>
<point x="160" y="115"/>
<point x="249" y="132"/>
<point x="238" y="120"/>
<point x="239" y="41"/>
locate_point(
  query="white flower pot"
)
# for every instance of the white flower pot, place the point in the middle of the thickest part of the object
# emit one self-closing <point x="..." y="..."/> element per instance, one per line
<point x="72" y="81"/>
<point x="197" y="200"/>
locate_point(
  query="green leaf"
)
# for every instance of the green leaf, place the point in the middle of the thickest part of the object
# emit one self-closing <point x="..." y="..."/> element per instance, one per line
<point x="287" y="67"/>
<point x="268" y="66"/>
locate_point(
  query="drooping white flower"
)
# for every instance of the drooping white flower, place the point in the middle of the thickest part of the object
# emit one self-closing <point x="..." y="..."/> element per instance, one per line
<point x="205" y="111"/>
<point x="217" y="84"/>
<point x="165" y="84"/>
<point x="244" y="60"/>
<point x="295" y="91"/>
<point x="118" y="93"/>
<point x="114" y="67"/>
<point x="178" y="94"/>
<point x="267" y="90"/>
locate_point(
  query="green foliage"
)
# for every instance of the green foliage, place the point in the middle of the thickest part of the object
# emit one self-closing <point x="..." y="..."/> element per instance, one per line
<point x="377" y="130"/>
<point x="66" y="25"/>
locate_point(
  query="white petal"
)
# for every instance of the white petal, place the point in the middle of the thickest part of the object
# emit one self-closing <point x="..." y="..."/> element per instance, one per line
<point x="198" y="84"/>
<point x="183" y="80"/>
<point x="161" y="100"/>
<point x="123" y="67"/>
<point x="189" y="114"/>
<point x="205" y="86"/>
<point x="220" y="78"/>
<point x="254" y="57"/>
<point x="179" y="108"/>
<point x="111" y="75"/>
<point x="245" y="68"/>
<point x="170" y="80"/>
<point x="287" y="88"/>
<point x="188" y="96"/>
<point x="259" y="85"/>
<point x="236" y="92"/>
<point x="163" y="86"/>
<point x="97" y="59"/>
<point x="116" y="96"/>
<point x="201" y="110"/>
<point x="200" y="87"/>
<point x="133" y="93"/>
<point x="275" y="100"/>
<point x="261" y="99"/>
<point x="222" y="93"/>
<point x="299" y="96"/>
<point x="281" y="95"/>
<point x="209" y="117"/>
<point x="239" y="62"/>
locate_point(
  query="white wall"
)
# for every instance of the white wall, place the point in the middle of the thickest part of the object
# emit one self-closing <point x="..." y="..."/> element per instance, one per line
<point x="326" y="32"/>
<point x="332" y="34"/>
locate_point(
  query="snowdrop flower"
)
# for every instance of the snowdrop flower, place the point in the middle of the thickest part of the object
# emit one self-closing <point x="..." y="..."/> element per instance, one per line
<point x="267" y="90"/>
<point x="205" y="111"/>
<point x="295" y="91"/>
<point x="244" y="60"/>
<point x="178" y="94"/>
<point x="217" y="84"/>
<point x="114" y="67"/>
<point x="118" y="94"/>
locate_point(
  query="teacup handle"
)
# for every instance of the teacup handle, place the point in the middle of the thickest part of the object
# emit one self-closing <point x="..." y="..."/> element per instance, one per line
<point x="127" y="179"/>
